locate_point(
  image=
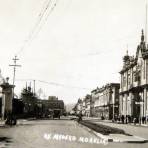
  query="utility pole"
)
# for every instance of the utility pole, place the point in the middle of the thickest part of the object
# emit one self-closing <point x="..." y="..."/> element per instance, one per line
<point x="15" y="59"/>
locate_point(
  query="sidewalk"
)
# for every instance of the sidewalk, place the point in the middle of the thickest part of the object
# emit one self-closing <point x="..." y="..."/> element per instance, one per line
<point x="137" y="130"/>
<point x="109" y="121"/>
<point x="19" y="122"/>
<point x="2" y="123"/>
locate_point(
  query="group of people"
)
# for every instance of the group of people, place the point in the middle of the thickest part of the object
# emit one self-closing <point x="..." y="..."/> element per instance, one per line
<point x="129" y="119"/>
<point x="10" y="119"/>
<point x="124" y="119"/>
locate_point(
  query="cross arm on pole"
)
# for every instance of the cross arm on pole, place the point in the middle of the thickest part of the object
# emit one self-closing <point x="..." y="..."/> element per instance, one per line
<point x="15" y="65"/>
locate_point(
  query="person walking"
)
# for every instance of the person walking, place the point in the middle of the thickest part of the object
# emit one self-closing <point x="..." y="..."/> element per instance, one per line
<point x="122" y="118"/>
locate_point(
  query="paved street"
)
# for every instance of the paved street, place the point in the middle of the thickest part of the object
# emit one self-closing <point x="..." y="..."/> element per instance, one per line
<point x="30" y="134"/>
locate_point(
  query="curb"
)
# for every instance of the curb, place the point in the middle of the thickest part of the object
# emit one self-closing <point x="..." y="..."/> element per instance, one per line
<point x="116" y="140"/>
<point x="95" y="133"/>
<point x="130" y="124"/>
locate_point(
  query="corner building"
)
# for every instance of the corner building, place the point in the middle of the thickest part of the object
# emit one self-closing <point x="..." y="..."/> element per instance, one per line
<point x="134" y="83"/>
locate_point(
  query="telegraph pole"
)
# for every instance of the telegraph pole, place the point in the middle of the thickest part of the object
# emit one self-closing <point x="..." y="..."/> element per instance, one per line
<point x="15" y="59"/>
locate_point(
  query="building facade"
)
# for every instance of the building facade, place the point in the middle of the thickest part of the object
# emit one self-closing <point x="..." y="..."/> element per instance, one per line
<point x="105" y="101"/>
<point x="78" y="107"/>
<point x="49" y="106"/>
<point x="134" y="83"/>
<point x="83" y="107"/>
<point x="1" y="95"/>
<point x="87" y="102"/>
<point x="52" y="98"/>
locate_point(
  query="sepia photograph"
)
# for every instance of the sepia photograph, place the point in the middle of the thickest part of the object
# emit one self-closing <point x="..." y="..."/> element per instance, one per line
<point x="73" y="73"/>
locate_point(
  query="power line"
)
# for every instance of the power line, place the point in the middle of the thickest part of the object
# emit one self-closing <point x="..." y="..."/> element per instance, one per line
<point x="43" y="21"/>
<point x="62" y="85"/>
<point x="38" y="26"/>
<point x="40" y="16"/>
<point x="55" y="4"/>
<point x="55" y="84"/>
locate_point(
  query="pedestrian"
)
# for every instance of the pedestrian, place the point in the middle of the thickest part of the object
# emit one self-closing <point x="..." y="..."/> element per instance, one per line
<point x="122" y="118"/>
<point x="126" y="119"/>
<point x="79" y="117"/>
<point x="143" y="120"/>
<point x="129" y="119"/>
<point x="135" y="121"/>
<point x="119" y="118"/>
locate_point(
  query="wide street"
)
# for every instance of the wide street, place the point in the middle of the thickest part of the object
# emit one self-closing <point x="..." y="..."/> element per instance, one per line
<point x="46" y="133"/>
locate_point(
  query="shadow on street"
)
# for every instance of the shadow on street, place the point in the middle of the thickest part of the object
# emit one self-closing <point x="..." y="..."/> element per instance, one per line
<point x="5" y="142"/>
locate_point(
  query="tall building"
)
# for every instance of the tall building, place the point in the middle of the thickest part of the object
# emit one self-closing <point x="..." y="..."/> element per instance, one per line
<point x="134" y="83"/>
<point x="83" y="107"/>
<point x="87" y="102"/>
<point x="105" y="101"/>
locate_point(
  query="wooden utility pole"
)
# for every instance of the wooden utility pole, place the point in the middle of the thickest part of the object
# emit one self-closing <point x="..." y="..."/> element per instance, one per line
<point x="15" y="59"/>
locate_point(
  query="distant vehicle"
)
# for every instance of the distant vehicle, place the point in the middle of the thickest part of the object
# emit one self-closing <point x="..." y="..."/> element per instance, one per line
<point x="56" y="113"/>
<point x="51" y="108"/>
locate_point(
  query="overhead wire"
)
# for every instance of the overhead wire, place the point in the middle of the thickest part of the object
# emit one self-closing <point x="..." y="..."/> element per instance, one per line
<point x="62" y="85"/>
<point x="46" y="9"/>
<point x="40" y="16"/>
<point x="33" y="29"/>
<point x="55" y="4"/>
<point x="55" y="84"/>
<point x="45" y="12"/>
<point x="44" y="21"/>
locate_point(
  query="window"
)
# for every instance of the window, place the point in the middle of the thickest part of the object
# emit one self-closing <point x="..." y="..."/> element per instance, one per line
<point x="137" y="76"/>
<point x="129" y="78"/>
<point x="124" y="80"/>
<point x="143" y="69"/>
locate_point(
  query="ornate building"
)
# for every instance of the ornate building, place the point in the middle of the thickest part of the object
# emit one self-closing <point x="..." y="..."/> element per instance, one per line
<point x="105" y="101"/>
<point x="134" y="83"/>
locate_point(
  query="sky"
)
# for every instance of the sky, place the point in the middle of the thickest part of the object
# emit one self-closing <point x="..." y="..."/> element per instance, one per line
<point x="73" y="45"/>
